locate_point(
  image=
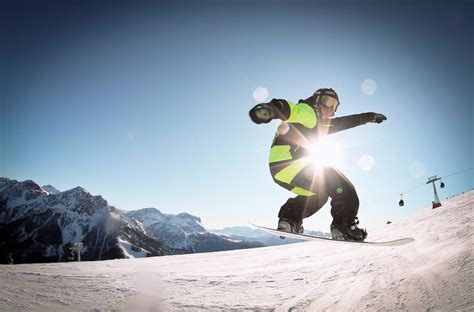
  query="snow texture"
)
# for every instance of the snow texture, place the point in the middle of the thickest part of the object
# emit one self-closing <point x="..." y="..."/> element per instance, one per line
<point x="435" y="273"/>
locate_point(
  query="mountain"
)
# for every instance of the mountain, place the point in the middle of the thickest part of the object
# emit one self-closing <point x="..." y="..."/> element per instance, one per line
<point x="252" y="234"/>
<point x="40" y="226"/>
<point x="184" y="221"/>
<point x="434" y="273"/>
<point x="50" y="189"/>
<point x="185" y="231"/>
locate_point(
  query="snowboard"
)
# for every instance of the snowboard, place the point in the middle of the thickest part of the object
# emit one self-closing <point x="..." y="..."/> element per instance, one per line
<point x="283" y="234"/>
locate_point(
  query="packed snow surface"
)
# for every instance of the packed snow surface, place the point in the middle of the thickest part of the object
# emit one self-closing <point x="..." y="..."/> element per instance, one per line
<point x="434" y="273"/>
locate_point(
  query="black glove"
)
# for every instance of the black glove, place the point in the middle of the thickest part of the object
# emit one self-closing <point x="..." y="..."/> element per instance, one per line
<point x="378" y="118"/>
<point x="262" y="113"/>
<point x="371" y="117"/>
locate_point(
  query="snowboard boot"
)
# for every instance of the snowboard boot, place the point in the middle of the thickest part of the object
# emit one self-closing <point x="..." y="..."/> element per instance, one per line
<point x="287" y="225"/>
<point x="348" y="231"/>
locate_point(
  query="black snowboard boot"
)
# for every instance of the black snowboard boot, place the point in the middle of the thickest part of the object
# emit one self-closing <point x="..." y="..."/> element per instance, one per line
<point x="348" y="231"/>
<point x="287" y="225"/>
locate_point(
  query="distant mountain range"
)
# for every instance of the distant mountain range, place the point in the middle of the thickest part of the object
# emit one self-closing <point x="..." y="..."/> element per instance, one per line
<point x="247" y="233"/>
<point x="41" y="224"/>
<point x="185" y="232"/>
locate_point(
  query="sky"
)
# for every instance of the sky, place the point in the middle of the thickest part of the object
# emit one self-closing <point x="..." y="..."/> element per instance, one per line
<point x="146" y="102"/>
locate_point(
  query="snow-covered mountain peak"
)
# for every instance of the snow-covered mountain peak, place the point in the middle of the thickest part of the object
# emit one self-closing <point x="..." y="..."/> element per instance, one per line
<point x="177" y="229"/>
<point x="80" y="201"/>
<point x="187" y="222"/>
<point x="147" y="216"/>
<point x="30" y="184"/>
<point x="182" y="222"/>
<point x="78" y="190"/>
<point x="150" y="210"/>
<point x="51" y="189"/>
<point x="45" y="225"/>
<point x="185" y="215"/>
<point x="15" y="193"/>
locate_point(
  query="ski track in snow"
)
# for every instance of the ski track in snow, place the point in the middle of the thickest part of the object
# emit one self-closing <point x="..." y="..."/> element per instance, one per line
<point x="435" y="273"/>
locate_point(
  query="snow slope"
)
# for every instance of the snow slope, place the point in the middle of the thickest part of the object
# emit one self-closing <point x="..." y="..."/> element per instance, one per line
<point x="435" y="273"/>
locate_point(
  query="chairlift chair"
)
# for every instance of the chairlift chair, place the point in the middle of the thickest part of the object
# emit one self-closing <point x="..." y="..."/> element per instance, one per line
<point x="401" y="203"/>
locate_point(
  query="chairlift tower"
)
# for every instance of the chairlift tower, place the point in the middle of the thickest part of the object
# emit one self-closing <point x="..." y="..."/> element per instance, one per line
<point x="77" y="248"/>
<point x="436" y="202"/>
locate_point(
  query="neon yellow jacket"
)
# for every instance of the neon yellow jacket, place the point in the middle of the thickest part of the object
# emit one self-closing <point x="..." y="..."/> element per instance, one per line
<point x="301" y="126"/>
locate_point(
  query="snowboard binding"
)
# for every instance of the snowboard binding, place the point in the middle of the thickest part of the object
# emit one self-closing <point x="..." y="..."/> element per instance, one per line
<point x="350" y="232"/>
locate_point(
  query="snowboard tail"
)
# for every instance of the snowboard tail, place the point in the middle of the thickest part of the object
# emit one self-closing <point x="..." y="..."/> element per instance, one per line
<point x="395" y="242"/>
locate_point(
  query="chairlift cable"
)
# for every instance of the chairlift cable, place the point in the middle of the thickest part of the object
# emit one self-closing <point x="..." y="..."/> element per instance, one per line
<point x="415" y="187"/>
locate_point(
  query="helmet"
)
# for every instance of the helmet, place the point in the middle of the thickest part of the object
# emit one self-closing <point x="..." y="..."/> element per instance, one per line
<point x="326" y="97"/>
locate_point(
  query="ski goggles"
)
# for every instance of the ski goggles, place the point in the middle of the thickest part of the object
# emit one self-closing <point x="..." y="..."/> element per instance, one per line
<point x="328" y="101"/>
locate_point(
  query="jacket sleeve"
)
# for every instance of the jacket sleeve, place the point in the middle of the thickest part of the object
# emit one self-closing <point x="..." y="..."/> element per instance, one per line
<point x="347" y="122"/>
<point x="300" y="113"/>
<point x="281" y="107"/>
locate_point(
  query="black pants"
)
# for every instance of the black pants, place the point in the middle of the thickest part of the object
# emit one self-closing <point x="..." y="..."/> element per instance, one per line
<point x="325" y="182"/>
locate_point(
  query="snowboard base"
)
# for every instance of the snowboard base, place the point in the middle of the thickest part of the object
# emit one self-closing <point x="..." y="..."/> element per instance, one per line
<point x="283" y="234"/>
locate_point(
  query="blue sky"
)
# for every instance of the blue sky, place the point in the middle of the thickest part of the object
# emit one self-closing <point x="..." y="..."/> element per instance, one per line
<point x="147" y="103"/>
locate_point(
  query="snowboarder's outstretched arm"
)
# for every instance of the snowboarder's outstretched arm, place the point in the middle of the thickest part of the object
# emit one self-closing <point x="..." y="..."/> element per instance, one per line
<point x="351" y="121"/>
<point x="304" y="114"/>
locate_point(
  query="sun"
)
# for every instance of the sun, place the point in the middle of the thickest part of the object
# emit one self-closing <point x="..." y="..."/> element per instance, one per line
<point x="325" y="152"/>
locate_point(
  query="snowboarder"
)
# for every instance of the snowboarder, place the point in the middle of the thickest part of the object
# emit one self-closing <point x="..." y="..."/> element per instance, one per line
<point x="303" y="124"/>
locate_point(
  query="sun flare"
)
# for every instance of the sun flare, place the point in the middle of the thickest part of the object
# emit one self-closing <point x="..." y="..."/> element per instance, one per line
<point x="325" y="152"/>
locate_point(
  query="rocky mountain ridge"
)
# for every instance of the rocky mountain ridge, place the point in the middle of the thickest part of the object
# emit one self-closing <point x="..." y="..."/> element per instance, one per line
<point x="41" y="224"/>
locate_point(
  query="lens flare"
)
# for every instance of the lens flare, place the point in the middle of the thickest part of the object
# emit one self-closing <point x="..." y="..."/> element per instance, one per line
<point x="368" y="86"/>
<point x="260" y="94"/>
<point x="366" y="162"/>
<point x="325" y="152"/>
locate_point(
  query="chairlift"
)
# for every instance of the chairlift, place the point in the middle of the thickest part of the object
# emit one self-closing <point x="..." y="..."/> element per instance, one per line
<point x="401" y="203"/>
<point x="442" y="184"/>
